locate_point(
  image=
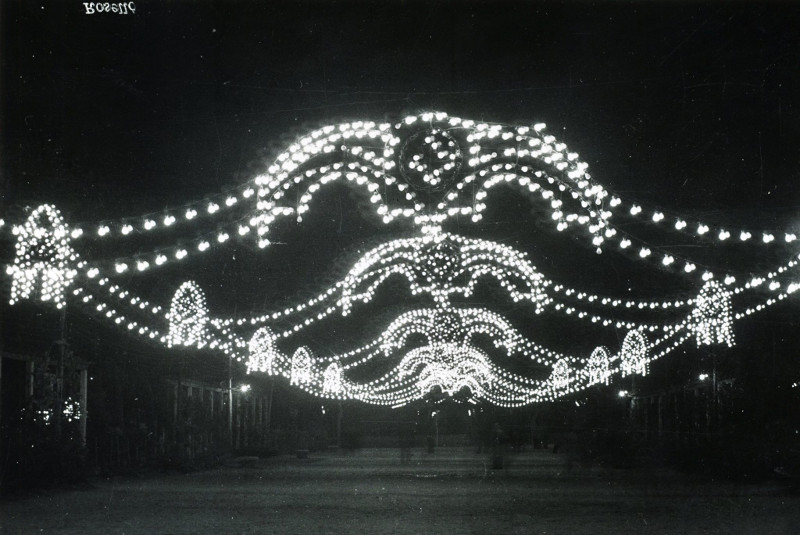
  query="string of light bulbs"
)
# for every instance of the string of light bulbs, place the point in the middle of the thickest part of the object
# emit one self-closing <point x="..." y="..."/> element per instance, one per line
<point x="427" y="170"/>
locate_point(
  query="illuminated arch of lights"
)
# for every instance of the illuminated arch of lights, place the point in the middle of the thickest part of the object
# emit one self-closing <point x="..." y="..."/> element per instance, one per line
<point x="422" y="172"/>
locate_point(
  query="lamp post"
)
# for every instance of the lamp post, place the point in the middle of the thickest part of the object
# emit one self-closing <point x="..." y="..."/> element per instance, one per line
<point x="230" y="404"/>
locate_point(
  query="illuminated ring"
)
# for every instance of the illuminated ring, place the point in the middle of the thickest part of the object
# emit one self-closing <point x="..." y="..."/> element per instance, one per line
<point x="430" y="160"/>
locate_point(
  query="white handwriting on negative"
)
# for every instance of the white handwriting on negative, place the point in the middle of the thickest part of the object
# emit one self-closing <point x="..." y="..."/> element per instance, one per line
<point x="120" y="8"/>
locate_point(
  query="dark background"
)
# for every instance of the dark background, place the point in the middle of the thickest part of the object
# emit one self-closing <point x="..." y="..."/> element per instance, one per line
<point x="692" y="107"/>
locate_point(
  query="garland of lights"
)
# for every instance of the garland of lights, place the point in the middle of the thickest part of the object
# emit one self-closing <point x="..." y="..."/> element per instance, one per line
<point x="426" y="170"/>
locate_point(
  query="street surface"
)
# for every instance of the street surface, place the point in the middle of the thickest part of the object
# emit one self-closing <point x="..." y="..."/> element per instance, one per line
<point x="370" y="491"/>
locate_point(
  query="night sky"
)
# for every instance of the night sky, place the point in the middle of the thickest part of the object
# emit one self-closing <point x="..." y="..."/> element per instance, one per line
<point x="691" y="107"/>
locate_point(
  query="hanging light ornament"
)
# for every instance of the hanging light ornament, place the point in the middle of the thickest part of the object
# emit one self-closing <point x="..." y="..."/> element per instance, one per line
<point x="45" y="261"/>
<point x="301" y="367"/>
<point x="560" y="377"/>
<point x="430" y="168"/>
<point x="264" y="355"/>
<point x="443" y="265"/>
<point x="332" y="381"/>
<point x="427" y="170"/>
<point x="599" y="366"/>
<point x="451" y="367"/>
<point x="187" y="316"/>
<point x="633" y="354"/>
<point x="712" y="321"/>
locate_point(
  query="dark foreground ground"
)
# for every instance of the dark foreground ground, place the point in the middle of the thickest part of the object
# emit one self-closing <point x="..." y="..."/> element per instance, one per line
<point x="451" y="491"/>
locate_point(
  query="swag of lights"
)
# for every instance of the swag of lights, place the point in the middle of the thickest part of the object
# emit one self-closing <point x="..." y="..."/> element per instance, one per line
<point x="422" y="172"/>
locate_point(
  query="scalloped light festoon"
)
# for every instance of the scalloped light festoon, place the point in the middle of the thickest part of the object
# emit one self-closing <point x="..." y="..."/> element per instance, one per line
<point x="424" y="170"/>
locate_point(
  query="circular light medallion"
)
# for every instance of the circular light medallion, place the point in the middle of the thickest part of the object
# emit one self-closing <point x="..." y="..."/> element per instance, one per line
<point x="430" y="160"/>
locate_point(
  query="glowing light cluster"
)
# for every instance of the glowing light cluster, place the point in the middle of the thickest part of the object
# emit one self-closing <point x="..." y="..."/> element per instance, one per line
<point x="712" y="320"/>
<point x="72" y="410"/>
<point x="634" y="354"/>
<point x="448" y="366"/>
<point x="400" y="165"/>
<point x="431" y="156"/>
<point x="188" y="317"/>
<point x="45" y="263"/>
<point x="448" y="326"/>
<point x="599" y="366"/>
<point x="442" y="265"/>
<point x="264" y="355"/>
<point x="437" y="350"/>
<point x="302" y="367"/>
<point x="429" y="170"/>
<point x="561" y="375"/>
<point x="333" y="380"/>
